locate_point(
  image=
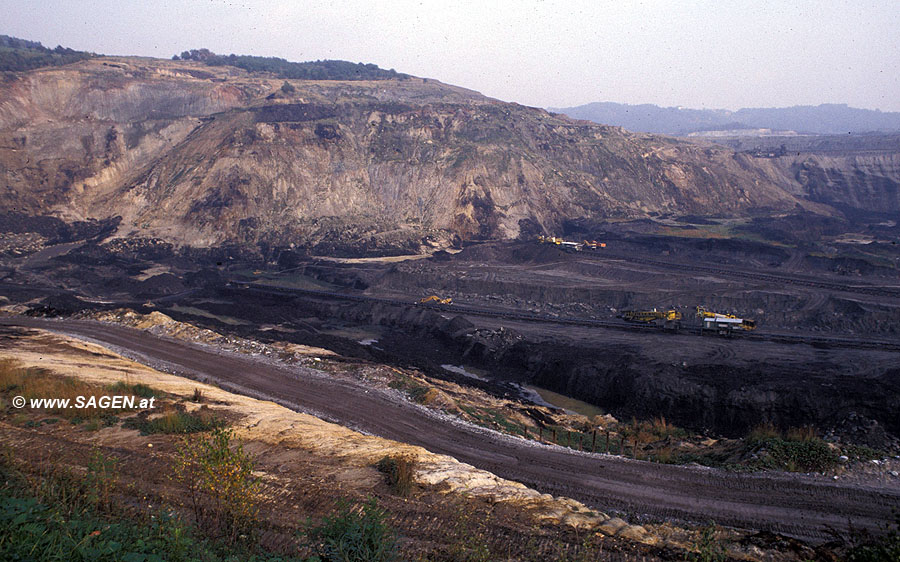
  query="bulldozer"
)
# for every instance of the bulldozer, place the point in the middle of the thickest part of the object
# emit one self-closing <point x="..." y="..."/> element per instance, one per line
<point x="434" y="299"/>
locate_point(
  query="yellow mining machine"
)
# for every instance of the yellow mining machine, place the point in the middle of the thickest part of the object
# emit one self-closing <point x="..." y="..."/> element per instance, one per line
<point x="434" y="299"/>
<point x="550" y="240"/>
<point x="668" y="319"/>
<point x="723" y="324"/>
<point x="563" y="243"/>
<point x="567" y="245"/>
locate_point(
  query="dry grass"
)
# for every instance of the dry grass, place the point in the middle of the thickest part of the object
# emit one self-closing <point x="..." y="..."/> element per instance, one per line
<point x="33" y="383"/>
<point x="805" y="433"/>
<point x="764" y="431"/>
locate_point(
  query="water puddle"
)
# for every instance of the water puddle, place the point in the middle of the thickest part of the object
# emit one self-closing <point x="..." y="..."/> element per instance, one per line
<point x="549" y="398"/>
<point x="460" y="370"/>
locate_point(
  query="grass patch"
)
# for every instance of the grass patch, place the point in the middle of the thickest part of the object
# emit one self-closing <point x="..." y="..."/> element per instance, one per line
<point x="862" y="453"/>
<point x="57" y="516"/>
<point x="493" y="419"/>
<point x="34" y="383"/>
<point x="138" y="389"/>
<point x="799" y="450"/>
<point x="707" y="547"/>
<point x="356" y="533"/>
<point x="176" y="421"/>
<point x="417" y="392"/>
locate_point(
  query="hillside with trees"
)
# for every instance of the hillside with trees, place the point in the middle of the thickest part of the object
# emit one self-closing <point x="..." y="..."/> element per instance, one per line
<point x="312" y="70"/>
<point x="20" y="54"/>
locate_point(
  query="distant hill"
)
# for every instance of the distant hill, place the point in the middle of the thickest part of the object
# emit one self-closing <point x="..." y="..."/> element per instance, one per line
<point x="821" y="119"/>
<point x="20" y="54"/>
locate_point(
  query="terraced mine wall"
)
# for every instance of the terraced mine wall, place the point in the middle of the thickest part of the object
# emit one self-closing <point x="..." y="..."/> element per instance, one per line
<point x="729" y="391"/>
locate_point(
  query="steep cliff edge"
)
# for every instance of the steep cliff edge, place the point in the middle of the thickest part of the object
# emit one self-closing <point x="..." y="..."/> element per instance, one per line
<point x="203" y="155"/>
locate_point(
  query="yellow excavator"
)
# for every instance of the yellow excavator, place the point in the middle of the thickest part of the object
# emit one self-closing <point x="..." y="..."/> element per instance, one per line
<point x="434" y="299"/>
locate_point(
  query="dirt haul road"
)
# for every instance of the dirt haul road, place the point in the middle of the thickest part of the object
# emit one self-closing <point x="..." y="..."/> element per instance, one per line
<point x="796" y="505"/>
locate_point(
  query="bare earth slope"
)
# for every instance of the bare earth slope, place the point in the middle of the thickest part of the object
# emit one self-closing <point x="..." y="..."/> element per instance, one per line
<point x="796" y="505"/>
<point x="204" y="155"/>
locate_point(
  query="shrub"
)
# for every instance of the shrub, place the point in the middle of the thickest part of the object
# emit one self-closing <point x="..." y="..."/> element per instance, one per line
<point x="354" y="534"/>
<point x="398" y="471"/>
<point x="102" y="478"/>
<point x="223" y="493"/>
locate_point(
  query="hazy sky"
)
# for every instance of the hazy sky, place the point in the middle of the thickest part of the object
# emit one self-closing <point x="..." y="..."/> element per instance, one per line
<point x="716" y="54"/>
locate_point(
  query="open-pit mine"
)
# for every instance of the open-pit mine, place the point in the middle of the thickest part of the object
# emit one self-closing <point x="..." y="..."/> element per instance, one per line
<point x="606" y="342"/>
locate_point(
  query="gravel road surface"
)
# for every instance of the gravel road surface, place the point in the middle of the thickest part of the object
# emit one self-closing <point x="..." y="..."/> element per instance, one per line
<point x="796" y="505"/>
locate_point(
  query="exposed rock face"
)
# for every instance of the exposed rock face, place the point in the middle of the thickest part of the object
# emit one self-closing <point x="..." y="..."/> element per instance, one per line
<point x="869" y="182"/>
<point x="202" y="156"/>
